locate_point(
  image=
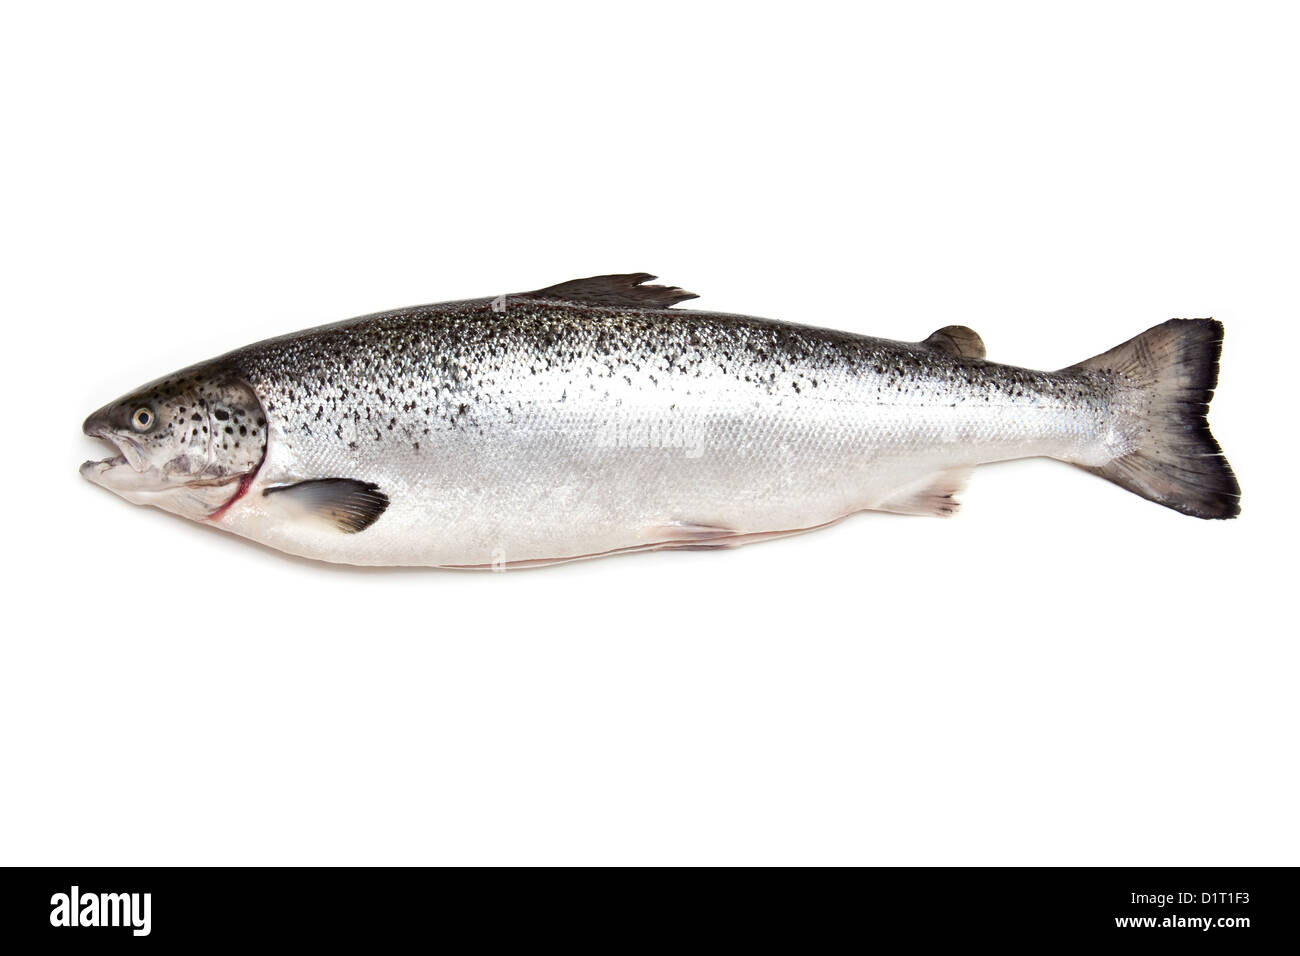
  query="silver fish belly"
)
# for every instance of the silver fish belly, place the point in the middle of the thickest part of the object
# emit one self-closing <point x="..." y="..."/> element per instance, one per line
<point x="592" y="418"/>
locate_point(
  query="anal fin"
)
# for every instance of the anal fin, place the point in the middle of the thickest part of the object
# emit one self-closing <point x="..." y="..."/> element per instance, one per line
<point x="691" y="536"/>
<point x="935" y="494"/>
<point x="346" y="504"/>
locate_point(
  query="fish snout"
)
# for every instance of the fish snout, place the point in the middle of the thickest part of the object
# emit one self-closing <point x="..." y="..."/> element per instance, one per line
<point x="96" y="423"/>
<point x="100" y="425"/>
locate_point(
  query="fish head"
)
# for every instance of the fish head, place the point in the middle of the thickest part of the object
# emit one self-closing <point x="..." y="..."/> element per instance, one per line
<point x="189" y="443"/>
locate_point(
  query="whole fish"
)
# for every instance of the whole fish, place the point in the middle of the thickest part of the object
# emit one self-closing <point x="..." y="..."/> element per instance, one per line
<point x="592" y="418"/>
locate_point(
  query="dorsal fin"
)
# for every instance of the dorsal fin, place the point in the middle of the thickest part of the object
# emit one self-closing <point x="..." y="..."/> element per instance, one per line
<point x="617" y="290"/>
<point x="957" y="340"/>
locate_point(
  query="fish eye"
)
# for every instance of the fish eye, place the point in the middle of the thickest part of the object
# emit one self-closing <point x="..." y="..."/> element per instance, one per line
<point x="142" y="420"/>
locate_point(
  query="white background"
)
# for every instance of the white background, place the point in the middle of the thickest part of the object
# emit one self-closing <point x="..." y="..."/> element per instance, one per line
<point x="1063" y="673"/>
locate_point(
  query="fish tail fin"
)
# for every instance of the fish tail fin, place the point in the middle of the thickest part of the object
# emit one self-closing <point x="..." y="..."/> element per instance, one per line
<point x="1177" y="463"/>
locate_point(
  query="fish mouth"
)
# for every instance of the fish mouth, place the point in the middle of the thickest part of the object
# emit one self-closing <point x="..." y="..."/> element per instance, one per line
<point x="128" y="453"/>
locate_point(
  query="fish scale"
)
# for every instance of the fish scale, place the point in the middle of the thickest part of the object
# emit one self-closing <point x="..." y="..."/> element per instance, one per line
<point x="593" y="418"/>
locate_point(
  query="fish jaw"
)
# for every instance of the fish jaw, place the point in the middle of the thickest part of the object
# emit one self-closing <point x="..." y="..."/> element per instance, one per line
<point x="98" y="472"/>
<point x="122" y="473"/>
<point x="128" y="476"/>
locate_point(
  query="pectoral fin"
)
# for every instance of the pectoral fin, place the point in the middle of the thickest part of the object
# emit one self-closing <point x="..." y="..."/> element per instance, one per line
<point x="349" y="505"/>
